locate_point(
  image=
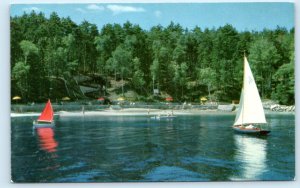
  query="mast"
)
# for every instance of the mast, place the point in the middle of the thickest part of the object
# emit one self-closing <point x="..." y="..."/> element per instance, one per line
<point x="243" y="85"/>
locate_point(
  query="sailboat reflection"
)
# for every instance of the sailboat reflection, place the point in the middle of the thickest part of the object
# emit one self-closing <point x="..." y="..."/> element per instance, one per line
<point x="46" y="138"/>
<point x="252" y="156"/>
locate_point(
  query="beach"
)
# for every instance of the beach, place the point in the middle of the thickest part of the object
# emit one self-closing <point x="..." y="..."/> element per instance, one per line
<point x="138" y="112"/>
<point x="123" y="112"/>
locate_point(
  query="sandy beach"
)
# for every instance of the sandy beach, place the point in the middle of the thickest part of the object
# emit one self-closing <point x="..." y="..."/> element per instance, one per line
<point x="125" y="112"/>
<point x="137" y="112"/>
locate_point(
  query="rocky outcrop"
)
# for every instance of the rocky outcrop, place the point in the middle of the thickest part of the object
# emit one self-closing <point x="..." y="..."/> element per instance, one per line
<point x="282" y="108"/>
<point x="274" y="106"/>
<point x="226" y="108"/>
<point x="268" y="103"/>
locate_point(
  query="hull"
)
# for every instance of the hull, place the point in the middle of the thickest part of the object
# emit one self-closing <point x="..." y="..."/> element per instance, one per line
<point x="42" y="125"/>
<point x="255" y="131"/>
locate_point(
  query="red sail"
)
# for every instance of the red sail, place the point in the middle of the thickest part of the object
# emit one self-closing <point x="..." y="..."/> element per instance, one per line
<point x="47" y="114"/>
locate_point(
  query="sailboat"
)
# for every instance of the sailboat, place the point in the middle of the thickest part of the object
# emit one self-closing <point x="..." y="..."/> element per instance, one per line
<point x="46" y="117"/>
<point x="250" y="115"/>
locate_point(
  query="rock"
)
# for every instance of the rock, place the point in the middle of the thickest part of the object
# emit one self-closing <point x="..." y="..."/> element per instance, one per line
<point x="267" y="104"/>
<point x="282" y="108"/>
<point x="273" y="107"/>
<point x="226" y="108"/>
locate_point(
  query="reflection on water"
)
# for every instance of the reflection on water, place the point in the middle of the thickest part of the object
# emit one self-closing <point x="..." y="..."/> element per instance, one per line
<point x="46" y="139"/>
<point x="251" y="152"/>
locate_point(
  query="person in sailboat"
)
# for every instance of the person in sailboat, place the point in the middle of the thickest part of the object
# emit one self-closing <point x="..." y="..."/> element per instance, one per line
<point x="241" y="126"/>
<point x="250" y="127"/>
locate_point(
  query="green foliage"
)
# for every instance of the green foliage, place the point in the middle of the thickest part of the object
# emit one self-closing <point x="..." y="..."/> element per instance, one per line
<point x="185" y="64"/>
<point x="19" y="72"/>
<point x="28" y="48"/>
<point x="138" y="80"/>
<point x="284" y="91"/>
<point x="180" y="78"/>
<point x="155" y="70"/>
<point x="207" y="76"/>
<point x="264" y="57"/>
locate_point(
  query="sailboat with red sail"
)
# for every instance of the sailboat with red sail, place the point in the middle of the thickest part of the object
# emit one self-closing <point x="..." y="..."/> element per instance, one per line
<point x="46" y="117"/>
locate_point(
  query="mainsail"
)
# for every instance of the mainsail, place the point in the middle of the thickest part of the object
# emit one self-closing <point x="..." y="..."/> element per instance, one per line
<point x="47" y="114"/>
<point x="250" y="108"/>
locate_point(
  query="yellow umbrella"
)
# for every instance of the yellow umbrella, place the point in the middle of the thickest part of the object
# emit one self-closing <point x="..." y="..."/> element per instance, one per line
<point x="16" y="98"/>
<point x="121" y="99"/>
<point x="203" y="99"/>
<point x="65" y="98"/>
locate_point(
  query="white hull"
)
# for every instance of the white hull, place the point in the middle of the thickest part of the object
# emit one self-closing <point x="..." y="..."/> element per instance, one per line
<point x="42" y="125"/>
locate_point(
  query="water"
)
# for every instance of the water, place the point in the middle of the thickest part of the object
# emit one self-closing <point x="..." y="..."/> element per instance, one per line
<point x="114" y="149"/>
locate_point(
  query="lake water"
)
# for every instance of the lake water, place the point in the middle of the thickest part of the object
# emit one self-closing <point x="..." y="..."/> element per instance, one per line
<point x="121" y="149"/>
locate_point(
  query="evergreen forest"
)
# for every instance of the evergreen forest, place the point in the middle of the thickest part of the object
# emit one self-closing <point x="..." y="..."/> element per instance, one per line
<point x="54" y="58"/>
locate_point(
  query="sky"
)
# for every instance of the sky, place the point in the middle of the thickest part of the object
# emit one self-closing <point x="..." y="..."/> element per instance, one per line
<point x="242" y="16"/>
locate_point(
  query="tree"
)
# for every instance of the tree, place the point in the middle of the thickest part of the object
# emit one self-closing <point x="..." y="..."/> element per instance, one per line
<point x="264" y="58"/>
<point x="180" y="76"/>
<point x="88" y="57"/>
<point x="19" y="72"/>
<point x="224" y="58"/>
<point x="138" y="75"/>
<point x="207" y="76"/>
<point x="181" y="62"/>
<point x="154" y="69"/>
<point x="120" y="61"/>
<point x="28" y="48"/>
<point x="70" y="62"/>
<point x="103" y="49"/>
<point x="285" y="89"/>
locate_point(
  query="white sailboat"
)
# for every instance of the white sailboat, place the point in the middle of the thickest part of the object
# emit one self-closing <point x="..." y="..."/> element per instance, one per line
<point x="250" y="114"/>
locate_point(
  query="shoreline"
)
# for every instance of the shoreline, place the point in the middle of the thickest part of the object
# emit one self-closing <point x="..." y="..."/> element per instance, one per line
<point x="139" y="112"/>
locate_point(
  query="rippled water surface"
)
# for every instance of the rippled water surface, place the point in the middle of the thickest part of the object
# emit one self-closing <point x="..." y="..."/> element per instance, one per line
<point x="114" y="149"/>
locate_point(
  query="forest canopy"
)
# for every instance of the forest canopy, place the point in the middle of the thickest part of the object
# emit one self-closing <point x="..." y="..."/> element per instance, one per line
<point x="49" y="54"/>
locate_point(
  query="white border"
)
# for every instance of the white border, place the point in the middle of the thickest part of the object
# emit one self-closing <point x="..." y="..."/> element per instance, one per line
<point x="5" y="104"/>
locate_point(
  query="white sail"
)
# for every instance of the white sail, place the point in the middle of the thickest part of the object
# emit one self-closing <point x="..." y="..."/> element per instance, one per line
<point x="240" y="107"/>
<point x="250" y="109"/>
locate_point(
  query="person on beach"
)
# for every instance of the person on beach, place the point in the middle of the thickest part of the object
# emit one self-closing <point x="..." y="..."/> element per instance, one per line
<point x="82" y="110"/>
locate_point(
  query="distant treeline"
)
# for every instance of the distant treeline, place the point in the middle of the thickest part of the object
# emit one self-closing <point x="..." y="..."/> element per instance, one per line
<point x="185" y="64"/>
